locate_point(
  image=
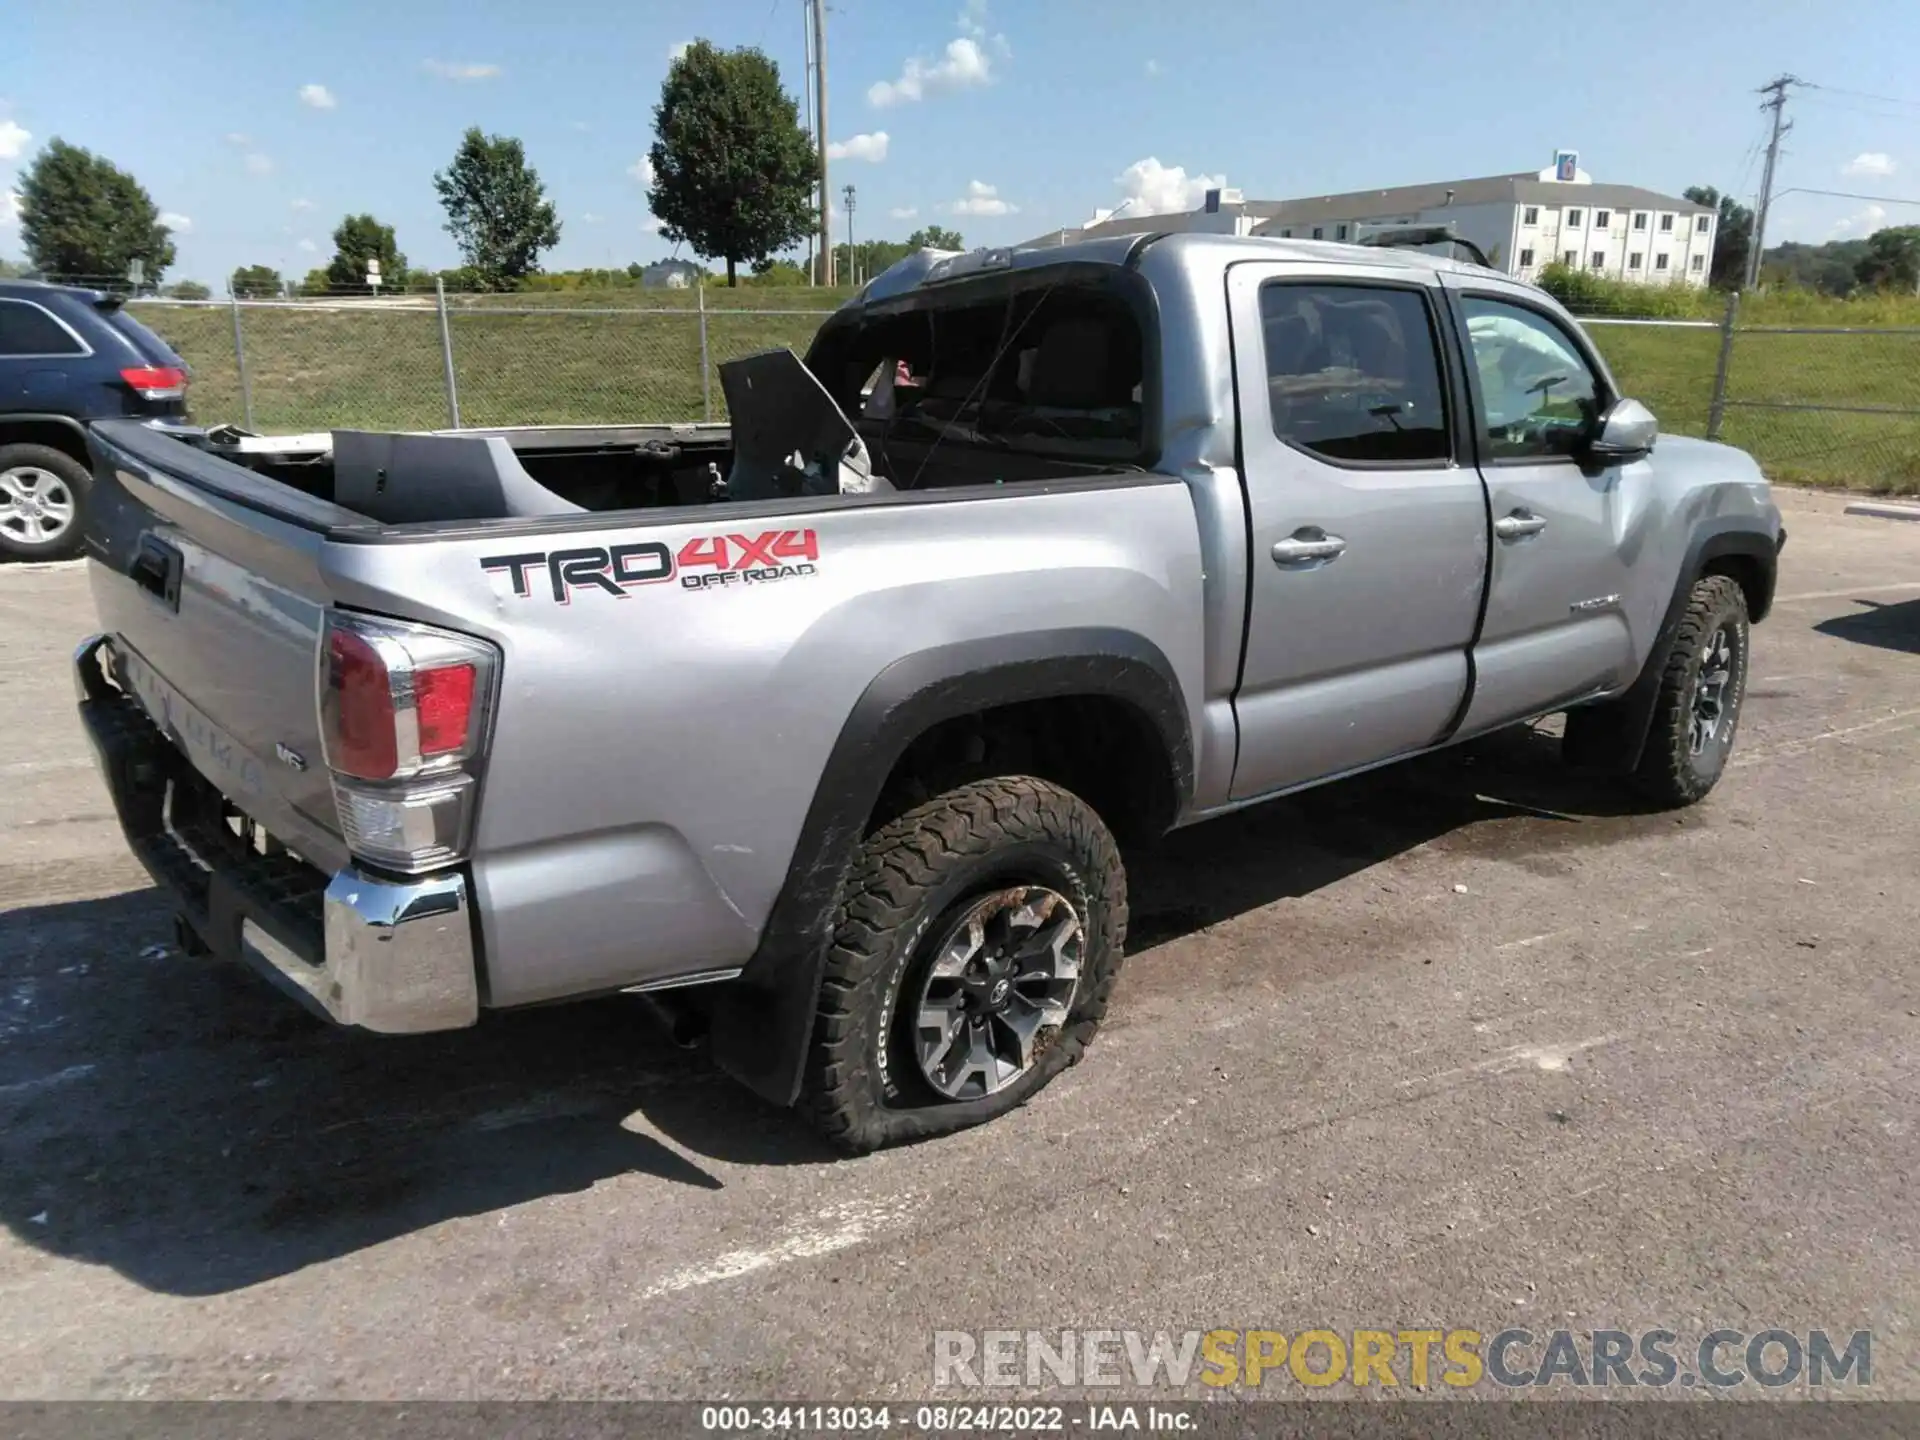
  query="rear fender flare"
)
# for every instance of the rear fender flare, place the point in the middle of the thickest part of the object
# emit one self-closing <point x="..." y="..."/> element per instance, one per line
<point x="763" y="1021"/>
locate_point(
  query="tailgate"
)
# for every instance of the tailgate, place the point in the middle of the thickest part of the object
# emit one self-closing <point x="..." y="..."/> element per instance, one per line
<point x="205" y="577"/>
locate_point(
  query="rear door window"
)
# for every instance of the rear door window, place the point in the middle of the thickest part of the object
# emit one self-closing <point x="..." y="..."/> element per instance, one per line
<point x="1353" y="373"/>
<point x="28" y="329"/>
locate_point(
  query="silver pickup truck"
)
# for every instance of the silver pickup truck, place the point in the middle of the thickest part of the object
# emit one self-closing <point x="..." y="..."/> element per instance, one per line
<point x="825" y="727"/>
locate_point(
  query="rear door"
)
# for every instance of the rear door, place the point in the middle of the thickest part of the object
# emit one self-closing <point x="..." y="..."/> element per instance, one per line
<point x="1555" y="630"/>
<point x="1369" y="533"/>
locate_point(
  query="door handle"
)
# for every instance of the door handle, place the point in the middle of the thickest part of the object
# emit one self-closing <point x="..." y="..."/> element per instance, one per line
<point x="1308" y="545"/>
<point x="1519" y="525"/>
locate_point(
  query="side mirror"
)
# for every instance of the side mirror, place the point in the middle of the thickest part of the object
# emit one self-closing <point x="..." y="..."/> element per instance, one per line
<point x="1626" y="432"/>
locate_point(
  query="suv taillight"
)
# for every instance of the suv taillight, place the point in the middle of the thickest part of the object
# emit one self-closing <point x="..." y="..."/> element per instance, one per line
<point x="403" y="724"/>
<point x="156" y="382"/>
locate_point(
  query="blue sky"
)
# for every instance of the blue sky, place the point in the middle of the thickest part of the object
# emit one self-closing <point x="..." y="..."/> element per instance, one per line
<point x="262" y="124"/>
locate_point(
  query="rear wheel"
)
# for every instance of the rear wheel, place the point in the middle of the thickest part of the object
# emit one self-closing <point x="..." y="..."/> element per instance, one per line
<point x="43" y="497"/>
<point x="971" y="962"/>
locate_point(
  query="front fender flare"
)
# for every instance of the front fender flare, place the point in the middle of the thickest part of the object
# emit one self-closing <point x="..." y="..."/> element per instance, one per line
<point x="762" y="1022"/>
<point x="1616" y="735"/>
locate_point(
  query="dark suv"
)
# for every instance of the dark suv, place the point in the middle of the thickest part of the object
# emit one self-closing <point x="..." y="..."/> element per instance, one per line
<point x="68" y="357"/>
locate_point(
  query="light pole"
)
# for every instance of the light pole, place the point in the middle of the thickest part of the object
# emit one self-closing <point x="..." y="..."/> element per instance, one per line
<point x="853" y="255"/>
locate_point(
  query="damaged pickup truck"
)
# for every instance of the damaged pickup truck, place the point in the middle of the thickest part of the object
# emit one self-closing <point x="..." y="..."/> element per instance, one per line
<point x="828" y="727"/>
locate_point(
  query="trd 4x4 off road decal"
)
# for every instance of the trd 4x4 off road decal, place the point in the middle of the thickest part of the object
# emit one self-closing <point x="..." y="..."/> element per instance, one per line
<point x="705" y="562"/>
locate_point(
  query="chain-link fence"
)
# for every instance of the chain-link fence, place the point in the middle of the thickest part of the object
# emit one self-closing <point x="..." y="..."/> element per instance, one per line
<point x="424" y="363"/>
<point x="1832" y="405"/>
<point x="1822" y="405"/>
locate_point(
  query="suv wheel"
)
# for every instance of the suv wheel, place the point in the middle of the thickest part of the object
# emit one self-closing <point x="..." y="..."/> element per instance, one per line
<point x="43" y="500"/>
<point x="1701" y="687"/>
<point x="971" y="962"/>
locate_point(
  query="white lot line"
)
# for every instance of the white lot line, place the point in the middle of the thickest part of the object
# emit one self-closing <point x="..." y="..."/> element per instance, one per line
<point x="47" y="1082"/>
<point x="1845" y="594"/>
<point x="41" y="767"/>
<point x="1885" y="724"/>
<point x="837" y="1227"/>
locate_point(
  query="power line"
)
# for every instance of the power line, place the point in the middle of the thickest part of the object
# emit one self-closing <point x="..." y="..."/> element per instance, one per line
<point x="1846" y="107"/>
<point x="1857" y="94"/>
<point x="1848" y="195"/>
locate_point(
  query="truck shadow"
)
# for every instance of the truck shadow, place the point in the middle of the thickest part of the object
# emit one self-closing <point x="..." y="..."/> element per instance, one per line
<point x="180" y="1123"/>
<point x="1889" y="626"/>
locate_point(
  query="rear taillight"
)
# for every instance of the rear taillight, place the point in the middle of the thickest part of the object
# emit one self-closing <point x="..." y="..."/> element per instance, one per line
<point x="156" y="382"/>
<point x="403" y="721"/>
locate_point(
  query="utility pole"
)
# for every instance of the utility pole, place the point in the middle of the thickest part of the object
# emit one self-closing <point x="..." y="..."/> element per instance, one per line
<point x="1778" y="90"/>
<point x="820" y="137"/>
<point x="813" y="127"/>
<point x="853" y="253"/>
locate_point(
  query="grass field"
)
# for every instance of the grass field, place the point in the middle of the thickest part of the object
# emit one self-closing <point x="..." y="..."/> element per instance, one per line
<point x="561" y="359"/>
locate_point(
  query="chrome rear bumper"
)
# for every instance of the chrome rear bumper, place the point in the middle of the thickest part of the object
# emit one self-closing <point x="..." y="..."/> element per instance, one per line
<point x="380" y="953"/>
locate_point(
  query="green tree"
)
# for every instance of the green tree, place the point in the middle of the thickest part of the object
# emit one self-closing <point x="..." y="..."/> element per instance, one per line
<point x="1892" y="261"/>
<point x="768" y="271"/>
<point x="11" y="270"/>
<point x="254" y="282"/>
<point x="497" y="211"/>
<point x="733" y="170"/>
<point x="1732" y="236"/>
<point x="189" y="290"/>
<point x="318" y="282"/>
<point x="358" y="239"/>
<point x="935" y="237"/>
<point x="81" y="215"/>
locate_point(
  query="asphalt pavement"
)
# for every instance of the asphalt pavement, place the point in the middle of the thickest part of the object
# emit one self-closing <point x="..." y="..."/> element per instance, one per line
<point x="1466" y="1043"/>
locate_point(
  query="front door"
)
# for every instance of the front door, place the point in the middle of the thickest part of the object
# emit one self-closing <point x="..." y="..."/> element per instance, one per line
<point x="1368" y="522"/>
<point x="1555" y="630"/>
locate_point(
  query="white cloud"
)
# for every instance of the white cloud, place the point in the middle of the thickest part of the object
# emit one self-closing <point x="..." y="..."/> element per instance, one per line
<point x="461" y="69"/>
<point x="239" y="138"/>
<point x="1875" y="164"/>
<point x="258" y="164"/>
<point x="176" y="222"/>
<point x="973" y="18"/>
<point x="302" y="205"/>
<point x="1156" y="189"/>
<point x="9" y="209"/>
<point x="587" y="217"/>
<point x="582" y="126"/>
<point x="317" y="97"/>
<point x="642" y="170"/>
<point x="983" y="199"/>
<point x="308" y="247"/>
<point x="904" y="212"/>
<point x="653" y="224"/>
<point x="1153" y="69"/>
<point x="860" y="147"/>
<point x="674" y="52"/>
<point x="1863" y="222"/>
<point x="963" y="66"/>
<point x="13" y="139"/>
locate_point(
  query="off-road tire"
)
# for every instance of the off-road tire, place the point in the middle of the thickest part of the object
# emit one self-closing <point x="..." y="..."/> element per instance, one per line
<point x="1670" y="774"/>
<point x="861" y="1089"/>
<point x="76" y="480"/>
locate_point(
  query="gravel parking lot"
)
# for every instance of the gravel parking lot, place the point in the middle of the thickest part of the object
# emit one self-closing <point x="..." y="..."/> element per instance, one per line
<point x="1462" y="1043"/>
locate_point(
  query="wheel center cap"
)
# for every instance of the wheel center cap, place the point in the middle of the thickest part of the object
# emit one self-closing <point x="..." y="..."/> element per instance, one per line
<point x="998" y="994"/>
